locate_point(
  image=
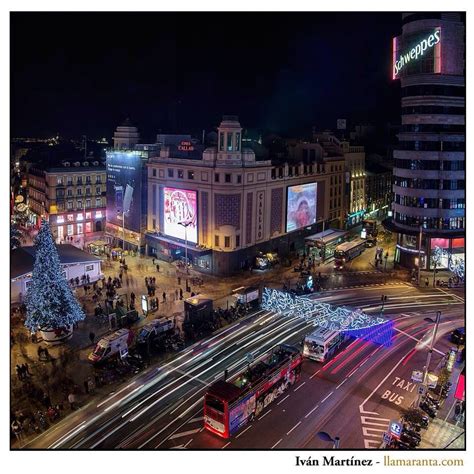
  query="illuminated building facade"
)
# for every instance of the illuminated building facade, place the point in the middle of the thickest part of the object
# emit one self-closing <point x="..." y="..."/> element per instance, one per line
<point x="429" y="171"/>
<point x="71" y="196"/>
<point x="225" y="206"/>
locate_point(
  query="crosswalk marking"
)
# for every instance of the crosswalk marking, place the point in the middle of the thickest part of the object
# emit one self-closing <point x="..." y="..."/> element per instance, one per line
<point x="367" y="432"/>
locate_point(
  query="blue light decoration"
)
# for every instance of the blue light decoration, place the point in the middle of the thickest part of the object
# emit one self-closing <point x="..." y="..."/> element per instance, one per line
<point x="353" y="323"/>
<point x="455" y="264"/>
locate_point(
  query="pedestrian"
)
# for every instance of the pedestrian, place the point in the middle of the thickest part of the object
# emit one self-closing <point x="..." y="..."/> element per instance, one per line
<point x="180" y="293"/>
<point x="176" y="294"/>
<point x="120" y="276"/>
<point x="157" y="267"/>
<point x="46" y="400"/>
<point x="92" y="337"/>
<point x="71" y="398"/>
<point x="17" y="431"/>
<point x="153" y="260"/>
<point x="88" y="278"/>
<point x="19" y="372"/>
<point x="164" y="296"/>
<point x="179" y="281"/>
<point x="427" y="282"/>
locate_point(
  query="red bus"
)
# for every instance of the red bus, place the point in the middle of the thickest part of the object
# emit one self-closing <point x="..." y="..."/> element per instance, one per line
<point x="228" y="406"/>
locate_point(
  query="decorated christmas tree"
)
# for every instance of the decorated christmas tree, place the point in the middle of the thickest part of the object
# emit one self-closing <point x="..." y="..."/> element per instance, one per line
<point x="50" y="302"/>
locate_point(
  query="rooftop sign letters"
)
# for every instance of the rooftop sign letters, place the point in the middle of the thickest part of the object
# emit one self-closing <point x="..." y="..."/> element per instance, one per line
<point x="415" y="53"/>
<point x="185" y="145"/>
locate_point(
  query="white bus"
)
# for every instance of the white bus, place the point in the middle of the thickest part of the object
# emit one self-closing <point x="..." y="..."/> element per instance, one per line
<point x="347" y="251"/>
<point x="322" y="343"/>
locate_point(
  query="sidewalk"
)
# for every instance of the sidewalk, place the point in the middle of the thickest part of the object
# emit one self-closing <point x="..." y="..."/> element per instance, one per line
<point x="443" y="435"/>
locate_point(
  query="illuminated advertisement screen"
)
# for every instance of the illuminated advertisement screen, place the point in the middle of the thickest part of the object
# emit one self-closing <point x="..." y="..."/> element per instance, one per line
<point x="301" y="206"/>
<point x="124" y="189"/>
<point x="180" y="207"/>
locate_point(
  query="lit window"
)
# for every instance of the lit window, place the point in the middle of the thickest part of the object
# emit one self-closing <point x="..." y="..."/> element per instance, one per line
<point x="98" y="202"/>
<point x="79" y="228"/>
<point x="216" y="240"/>
<point x="229" y="141"/>
<point x="80" y="217"/>
<point x="180" y="174"/>
<point x="98" y="215"/>
<point x="70" y="229"/>
<point x="59" y="180"/>
<point x="88" y="227"/>
<point x="227" y="241"/>
<point x="88" y="215"/>
<point x="60" y="219"/>
<point x="190" y="174"/>
<point x="70" y="217"/>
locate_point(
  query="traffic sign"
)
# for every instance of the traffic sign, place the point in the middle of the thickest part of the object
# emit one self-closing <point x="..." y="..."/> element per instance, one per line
<point x="431" y="380"/>
<point x="395" y="428"/>
<point x="421" y="390"/>
<point x="387" y="438"/>
<point x="417" y="376"/>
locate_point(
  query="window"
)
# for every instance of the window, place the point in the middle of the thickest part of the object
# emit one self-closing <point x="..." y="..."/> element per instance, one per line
<point x="89" y="268"/>
<point x="229" y="141"/>
<point x="69" y="205"/>
<point x="153" y="224"/>
<point x="88" y="190"/>
<point x="237" y="141"/>
<point x="98" y="202"/>
<point x="79" y="191"/>
<point x="88" y="226"/>
<point x="69" y="180"/>
<point x="216" y="241"/>
<point x="59" y="193"/>
<point x="180" y="174"/>
<point x="88" y="215"/>
<point x="69" y="192"/>
<point x="80" y="228"/>
<point x="60" y="219"/>
<point x="70" y="229"/>
<point x="170" y="172"/>
<point x="226" y="241"/>
<point x="88" y="180"/>
<point x="98" y="215"/>
<point x="59" y="180"/>
<point x="239" y="178"/>
<point x="70" y="217"/>
<point x="98" y="190"/>
<point x="88" y="203"/>
<point x="154" y="172"/>
<point x="79" y="204"/>
<point x="237" y="240"/>
<point x="190" y="174"/>
<point x="221" y="141"/>
<point x="98" y="180"/>
<point x="80" y="216"/>
<point x="216" y="177"/>
<point x="228" y="178"/>
<point x="79" y="180"/>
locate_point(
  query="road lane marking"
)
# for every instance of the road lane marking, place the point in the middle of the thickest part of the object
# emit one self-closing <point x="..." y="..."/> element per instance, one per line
<point x="225" y="445"/>
<point x="246" y="429"/>
<point x="282" y="400"/>
<point x="326" y="397"/>
<point x="112" y="395"/>
<point x="342" y="383"/>
<point x="294" y="427"/>
<point x="184" y="433"/>
<point x="299" y="386"/>
<point x="199" y="418"/>
<point x="309" y="413"/>
<point x="371" y="444"/>
<point x="367" y="432"/>
<point x="265" y="414"/>
<point x="188" y="443"/>
<point x="316" y="373"/>
<point x="365" y="421"/>
<point x="277" y="443"/>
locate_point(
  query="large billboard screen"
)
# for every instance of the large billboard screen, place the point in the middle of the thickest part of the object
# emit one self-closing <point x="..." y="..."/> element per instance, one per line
<point x="124" y="174"/>
<point x="301" y="206"/>
<point x="180" y="207"/>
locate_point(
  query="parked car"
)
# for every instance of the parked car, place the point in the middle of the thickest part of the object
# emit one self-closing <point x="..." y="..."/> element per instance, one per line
<point x="458" y="336"/>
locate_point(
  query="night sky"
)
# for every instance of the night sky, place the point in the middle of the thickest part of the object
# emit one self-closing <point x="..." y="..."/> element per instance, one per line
<point x="84" y="73"/>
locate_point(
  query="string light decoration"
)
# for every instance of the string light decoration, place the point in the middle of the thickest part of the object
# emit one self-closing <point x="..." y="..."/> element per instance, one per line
<point x="352" y="322"/>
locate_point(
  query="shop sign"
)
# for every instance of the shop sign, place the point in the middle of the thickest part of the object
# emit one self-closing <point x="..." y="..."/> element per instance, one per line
<point x="185" y="145"/>
<point x="417" y="376"/>
<point x="395" y="429"/>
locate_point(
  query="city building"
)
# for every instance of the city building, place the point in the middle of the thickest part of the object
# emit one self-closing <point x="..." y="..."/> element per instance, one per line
<point x="429" y="172"/>
<point x="378" y="189"/>
<point x="74" y="262"/>
<point x="354" y="163"/>
<point x="224" y="207"/>
<point x="71" y="195"/>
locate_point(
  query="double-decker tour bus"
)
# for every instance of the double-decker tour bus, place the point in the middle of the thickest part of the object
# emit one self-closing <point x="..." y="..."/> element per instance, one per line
<point x="347" y="251"/>
<point x="323" y="343"/>
<point x="229" y="405"/>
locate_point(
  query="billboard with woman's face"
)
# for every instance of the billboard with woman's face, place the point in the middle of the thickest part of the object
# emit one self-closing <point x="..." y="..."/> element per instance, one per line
<point x="301" y="206"/>
<point x="180" y="207"/>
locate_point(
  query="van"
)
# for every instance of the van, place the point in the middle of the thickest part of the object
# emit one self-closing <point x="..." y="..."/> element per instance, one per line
<point x="156" y="328"/>
<point x="113" y="345"/>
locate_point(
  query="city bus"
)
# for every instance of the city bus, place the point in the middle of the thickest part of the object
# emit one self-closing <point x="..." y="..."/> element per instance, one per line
<point x="370" y="226"/>
<point x="230" y="405"/>
<point x="323" y="343"/>
<point x="347" y="251"/>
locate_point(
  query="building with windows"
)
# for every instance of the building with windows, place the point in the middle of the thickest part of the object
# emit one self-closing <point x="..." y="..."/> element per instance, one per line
<point x="429" y="171"/>
<point x="71" y="196"/>
<point x="221" y="206"/>
<point x="378" y="190"/>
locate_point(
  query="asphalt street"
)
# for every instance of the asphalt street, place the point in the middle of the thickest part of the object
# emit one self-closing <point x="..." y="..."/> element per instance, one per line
<point x="161" y="408"/>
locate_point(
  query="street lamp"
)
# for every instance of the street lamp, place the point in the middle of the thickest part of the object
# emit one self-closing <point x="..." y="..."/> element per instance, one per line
<point x="430" y="352"/>
<point x="326" y="437"/>
<point x="185" y="225"/>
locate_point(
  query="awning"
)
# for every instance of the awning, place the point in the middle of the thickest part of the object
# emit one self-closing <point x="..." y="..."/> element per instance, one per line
<point x="327" y="236"/>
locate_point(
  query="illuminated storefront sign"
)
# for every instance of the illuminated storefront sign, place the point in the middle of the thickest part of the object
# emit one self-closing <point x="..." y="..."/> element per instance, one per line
<point x="420" y="49"/>
<point x="180" y="209"/>
<point x="186" y="146"/>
